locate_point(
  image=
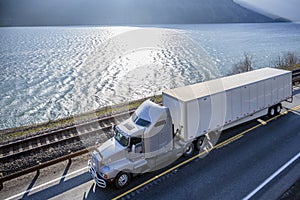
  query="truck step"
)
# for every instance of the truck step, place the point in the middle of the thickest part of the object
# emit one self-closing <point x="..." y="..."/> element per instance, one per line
<point x="139" y="163"/>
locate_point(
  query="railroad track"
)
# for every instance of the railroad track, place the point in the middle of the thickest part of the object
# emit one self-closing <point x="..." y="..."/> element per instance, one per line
<point x="31" y="145"/>
<point x="296" y="76"/>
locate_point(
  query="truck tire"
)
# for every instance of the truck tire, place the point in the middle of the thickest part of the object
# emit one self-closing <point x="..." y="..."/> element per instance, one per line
<point x="122" y="180"/>
<point x="189" y="150"/>
<point x="272" y="111"/>
<point x="278" y="108"/>
<point x="199" y="143"/>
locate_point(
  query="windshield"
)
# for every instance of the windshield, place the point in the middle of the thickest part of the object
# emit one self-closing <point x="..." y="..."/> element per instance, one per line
<point x="140" y="121"/>
<point x="122" y="139"/>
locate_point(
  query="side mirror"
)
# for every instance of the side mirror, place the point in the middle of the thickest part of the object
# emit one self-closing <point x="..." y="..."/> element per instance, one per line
<point x="133" y="148"/>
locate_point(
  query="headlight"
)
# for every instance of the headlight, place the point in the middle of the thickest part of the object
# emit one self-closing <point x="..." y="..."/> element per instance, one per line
<point x="105" y="168"/>
<point x="107" y="161"/>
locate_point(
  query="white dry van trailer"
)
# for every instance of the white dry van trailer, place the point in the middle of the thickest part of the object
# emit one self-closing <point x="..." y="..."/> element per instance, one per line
<point x="156" y="135"/>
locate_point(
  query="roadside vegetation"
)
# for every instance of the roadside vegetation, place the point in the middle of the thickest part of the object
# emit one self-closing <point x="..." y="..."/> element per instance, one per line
<point x="287" y="61"/>
<point x="244" y="65"/>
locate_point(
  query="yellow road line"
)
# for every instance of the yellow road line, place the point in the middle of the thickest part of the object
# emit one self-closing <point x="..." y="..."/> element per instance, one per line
<point x="222" y="144"/>
<point x="295" y="108"/>
<point x="236" y="137"/>
<point x="228" y="141"/>
<point x="262" y="121"/>
<point x="284" y="112"/>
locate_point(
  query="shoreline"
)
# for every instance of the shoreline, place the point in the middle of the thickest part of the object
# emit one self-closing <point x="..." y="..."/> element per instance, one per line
<point x="11" y="134"/>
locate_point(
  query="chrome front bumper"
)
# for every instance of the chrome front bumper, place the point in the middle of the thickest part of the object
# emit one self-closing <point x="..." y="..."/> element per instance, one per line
<point x="99" y="181"/>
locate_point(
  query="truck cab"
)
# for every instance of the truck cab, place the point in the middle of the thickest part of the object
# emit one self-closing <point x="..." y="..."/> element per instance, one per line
<point x="142" y="143"/>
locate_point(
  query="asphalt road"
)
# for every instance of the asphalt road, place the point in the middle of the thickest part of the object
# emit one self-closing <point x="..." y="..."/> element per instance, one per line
<point x="230" y="172"/>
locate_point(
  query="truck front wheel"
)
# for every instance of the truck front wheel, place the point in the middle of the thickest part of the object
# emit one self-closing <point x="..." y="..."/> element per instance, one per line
<point x="122" y="180"/>
<point x="189" y="150"/>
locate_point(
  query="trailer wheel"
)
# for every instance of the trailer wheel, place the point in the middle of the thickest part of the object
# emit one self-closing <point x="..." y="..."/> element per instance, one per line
<point x="199" y="142"/>
<point x="278" y="108"/>
<point x="189" y="150"/>
<point x="122" y="180"/>
<point x="271" y="112"/>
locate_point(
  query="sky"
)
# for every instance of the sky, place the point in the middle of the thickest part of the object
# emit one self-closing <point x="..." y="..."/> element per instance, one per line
<point x="283" y="8"/>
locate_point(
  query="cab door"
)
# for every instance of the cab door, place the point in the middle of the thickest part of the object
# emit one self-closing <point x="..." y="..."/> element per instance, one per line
<point x="136" y="148"/>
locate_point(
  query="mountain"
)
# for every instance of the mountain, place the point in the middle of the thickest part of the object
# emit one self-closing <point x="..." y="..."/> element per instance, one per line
<point x="262" y="11"/>
<point x="116" y="12"/>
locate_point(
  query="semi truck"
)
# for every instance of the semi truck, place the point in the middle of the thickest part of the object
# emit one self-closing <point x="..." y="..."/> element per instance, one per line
<point x="156" y="135"/>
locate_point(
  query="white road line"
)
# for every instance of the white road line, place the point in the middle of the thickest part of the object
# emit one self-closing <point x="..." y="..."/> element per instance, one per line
<point x="272" y="177"/>
<point x="47" y="183"/>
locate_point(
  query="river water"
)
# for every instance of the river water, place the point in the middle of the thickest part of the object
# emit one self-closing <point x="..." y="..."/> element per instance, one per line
<point x="52" y="72"/>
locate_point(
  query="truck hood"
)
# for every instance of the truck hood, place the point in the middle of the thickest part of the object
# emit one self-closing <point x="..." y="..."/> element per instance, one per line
<point x="112" y="151"/>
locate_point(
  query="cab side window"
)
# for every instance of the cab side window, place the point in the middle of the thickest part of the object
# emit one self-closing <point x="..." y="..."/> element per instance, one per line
<point x="160" y="123"/>
<point x="136" y="140"/>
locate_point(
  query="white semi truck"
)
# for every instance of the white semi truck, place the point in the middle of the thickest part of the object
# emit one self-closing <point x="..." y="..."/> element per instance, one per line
<point x="156" y="135"/>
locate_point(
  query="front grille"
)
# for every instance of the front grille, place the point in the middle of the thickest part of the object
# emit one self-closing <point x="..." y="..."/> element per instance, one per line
<point x="99" y="181"/>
